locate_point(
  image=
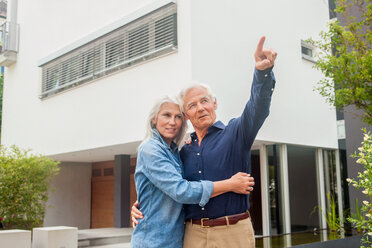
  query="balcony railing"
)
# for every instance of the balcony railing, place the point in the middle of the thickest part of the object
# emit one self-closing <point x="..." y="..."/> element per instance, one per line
<point x="9" y="39"/>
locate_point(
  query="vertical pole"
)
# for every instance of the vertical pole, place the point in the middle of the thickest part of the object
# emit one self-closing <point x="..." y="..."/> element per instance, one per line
<point x="320" y="188"/>
<point x="285" y="189"/>
<point x="12" y="11"/>
<point x="264" y="192"/>
<point x="339" y="187"/>
<point x="266" y="242"/>
<point x="11" y="42"/>
<point x="122" y="191"/>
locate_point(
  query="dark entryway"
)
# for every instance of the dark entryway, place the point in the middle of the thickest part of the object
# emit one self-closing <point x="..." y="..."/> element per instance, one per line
<point x="255" y="198"/>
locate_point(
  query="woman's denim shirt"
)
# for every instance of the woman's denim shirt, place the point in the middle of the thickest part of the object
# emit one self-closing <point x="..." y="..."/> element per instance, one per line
<point x="162" y="191"/>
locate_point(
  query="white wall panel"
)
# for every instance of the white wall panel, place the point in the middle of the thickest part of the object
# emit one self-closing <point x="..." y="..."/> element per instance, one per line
<point x="216" y="42"/>
<point x="224" y="37"/>
<point x="70" y="203"/>
<point x="108" y="111"/>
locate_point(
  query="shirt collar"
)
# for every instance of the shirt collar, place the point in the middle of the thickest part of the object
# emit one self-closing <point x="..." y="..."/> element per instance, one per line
<point x="217" y="125"/>
<point x="157" y="136"/>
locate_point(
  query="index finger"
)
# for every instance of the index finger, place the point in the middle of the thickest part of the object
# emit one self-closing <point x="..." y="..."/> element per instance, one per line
<point x="260" y="44"/>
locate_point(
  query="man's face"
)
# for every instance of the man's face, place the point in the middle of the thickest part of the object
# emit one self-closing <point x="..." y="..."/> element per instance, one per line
<point x="200" y="108"/>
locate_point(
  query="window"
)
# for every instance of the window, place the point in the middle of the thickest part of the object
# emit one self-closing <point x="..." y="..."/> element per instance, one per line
<point x="147" y="37"/>
<point x="307" y="51"/>
<point x="114" y="51"/>
<point x="90" y="62"/>
<point x="138" y="41"/>
<point x="52" y="78"/>
<point x="164" y="30"/>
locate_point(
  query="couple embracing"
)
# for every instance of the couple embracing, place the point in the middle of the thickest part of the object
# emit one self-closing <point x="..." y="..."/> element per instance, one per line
<point x="198" y="196"/>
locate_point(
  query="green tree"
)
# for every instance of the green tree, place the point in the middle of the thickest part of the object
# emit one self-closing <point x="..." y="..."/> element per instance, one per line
<point x="344" y="57"/>
<point x="24" y="184"/>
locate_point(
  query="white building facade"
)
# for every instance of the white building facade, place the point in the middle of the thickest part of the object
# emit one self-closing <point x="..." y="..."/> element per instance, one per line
<point x="87" y="73"/>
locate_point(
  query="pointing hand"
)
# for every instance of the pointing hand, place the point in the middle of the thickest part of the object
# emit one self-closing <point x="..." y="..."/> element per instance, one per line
<point x="264" y="57"/>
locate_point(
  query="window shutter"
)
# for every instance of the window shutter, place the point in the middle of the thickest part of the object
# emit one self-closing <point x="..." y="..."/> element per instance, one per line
<point x="145" y="38"/>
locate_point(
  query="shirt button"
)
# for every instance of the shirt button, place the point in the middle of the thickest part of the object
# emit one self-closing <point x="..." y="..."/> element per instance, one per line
<point x="199" y="172"/>
<point x="196" y="140"/>
<point x="198" y="154"/>
<point x="265" y="75"/>
<point x="203" y="209"/>
<point x="272" y="89"/>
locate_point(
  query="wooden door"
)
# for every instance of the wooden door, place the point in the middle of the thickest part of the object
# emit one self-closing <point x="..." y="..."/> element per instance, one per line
<point x="102" y="194"/>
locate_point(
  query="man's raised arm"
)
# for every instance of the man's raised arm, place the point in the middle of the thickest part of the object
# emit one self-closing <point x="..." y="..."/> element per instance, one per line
<point x="257" y="108"/>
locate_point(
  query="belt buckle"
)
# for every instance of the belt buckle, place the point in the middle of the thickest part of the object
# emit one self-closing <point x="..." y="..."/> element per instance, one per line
<point x="202" y="222"/>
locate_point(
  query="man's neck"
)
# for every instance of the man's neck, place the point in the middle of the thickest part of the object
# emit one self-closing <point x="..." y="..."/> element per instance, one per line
<point x="201" y="134"/>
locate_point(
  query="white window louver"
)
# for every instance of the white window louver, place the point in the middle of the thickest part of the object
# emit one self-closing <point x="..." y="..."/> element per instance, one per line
<point x="150" y="36"/>
<point x="307" y="51"/>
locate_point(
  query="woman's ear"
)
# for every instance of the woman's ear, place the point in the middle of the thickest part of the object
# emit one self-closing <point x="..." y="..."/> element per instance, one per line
<point x="153" y="122"/>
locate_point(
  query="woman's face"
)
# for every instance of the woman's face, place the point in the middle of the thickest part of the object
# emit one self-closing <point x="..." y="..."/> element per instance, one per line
<point x="168" y="122"/>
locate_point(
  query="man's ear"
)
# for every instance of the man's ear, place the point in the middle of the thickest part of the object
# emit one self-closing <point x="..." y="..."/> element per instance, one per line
<point x="215" y="104"/>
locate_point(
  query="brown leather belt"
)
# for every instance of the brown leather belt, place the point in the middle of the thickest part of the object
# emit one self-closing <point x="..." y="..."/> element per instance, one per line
<point x="221" y="221"/>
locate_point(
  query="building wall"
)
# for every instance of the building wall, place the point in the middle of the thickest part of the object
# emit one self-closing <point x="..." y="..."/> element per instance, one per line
<point x="217" y="50"/>
<point x="70" y="203"/>
<point x="224" y="38"/>
<point x="354" y="137"/>
<point x="106" y="112"/>
<point x="216" y="42"/>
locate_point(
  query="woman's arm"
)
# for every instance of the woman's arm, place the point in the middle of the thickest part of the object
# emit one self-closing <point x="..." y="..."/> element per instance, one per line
<point x="240" y="183"/>
<point x="165" y="174"/>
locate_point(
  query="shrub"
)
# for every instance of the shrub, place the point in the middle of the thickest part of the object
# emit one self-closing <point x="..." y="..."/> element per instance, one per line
<point x="24" y="184"/>
<point x="364" y="182"/>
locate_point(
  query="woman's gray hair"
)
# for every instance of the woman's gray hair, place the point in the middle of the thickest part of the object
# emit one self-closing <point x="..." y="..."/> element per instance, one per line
<point x="192" y="86"/>
<point x="154" y="113"/>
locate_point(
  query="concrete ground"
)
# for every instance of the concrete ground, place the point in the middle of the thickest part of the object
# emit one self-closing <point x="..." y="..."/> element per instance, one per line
<point x="105" y="237"/>
<point x="120" y="245"/>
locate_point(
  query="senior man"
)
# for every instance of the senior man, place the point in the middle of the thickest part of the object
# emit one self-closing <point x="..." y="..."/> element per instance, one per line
<point x="217" y="152"/>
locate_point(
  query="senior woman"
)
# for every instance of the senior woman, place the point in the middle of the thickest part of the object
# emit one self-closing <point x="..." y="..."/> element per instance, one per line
<point x="160" y="186"/>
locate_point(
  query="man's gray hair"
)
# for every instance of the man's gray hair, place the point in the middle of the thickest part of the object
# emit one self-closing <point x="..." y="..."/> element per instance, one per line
<point x="192" y="86"/>
<point x="154" y="113"/>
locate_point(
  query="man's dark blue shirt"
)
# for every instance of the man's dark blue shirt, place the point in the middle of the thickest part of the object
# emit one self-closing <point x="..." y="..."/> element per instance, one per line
<point x="225" y="150"/>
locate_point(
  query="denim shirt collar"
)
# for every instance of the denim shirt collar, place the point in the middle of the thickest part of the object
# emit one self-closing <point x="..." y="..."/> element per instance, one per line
<point x="173" y="147"/>
<point x="217" y="125"/>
